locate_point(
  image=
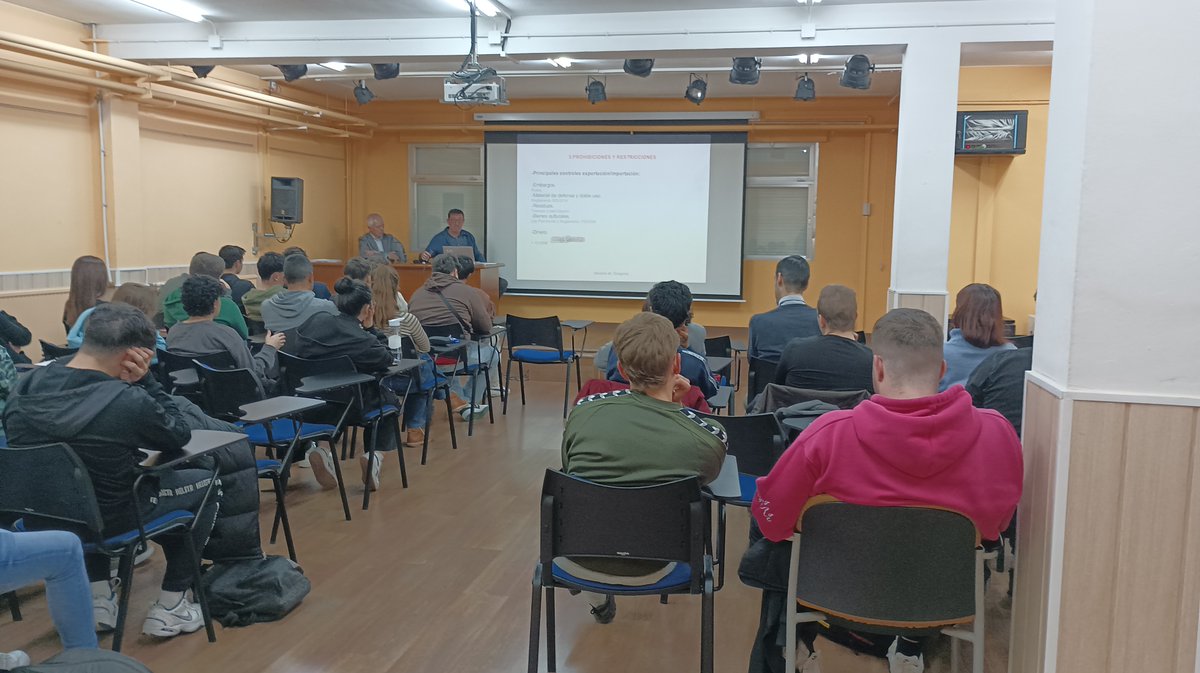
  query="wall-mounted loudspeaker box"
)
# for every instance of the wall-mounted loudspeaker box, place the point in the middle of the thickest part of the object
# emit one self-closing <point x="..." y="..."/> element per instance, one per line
<point x="287" y="200"/>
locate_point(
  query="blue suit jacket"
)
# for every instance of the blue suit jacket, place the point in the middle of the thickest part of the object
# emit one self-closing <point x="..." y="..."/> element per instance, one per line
<point x="770" y="332"/>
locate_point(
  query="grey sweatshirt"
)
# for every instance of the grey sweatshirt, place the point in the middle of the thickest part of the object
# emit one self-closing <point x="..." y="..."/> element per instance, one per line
<point x="288" y="310"/>
<point x="199" y="338"/>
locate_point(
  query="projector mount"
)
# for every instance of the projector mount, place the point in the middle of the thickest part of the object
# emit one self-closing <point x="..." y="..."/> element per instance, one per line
<point x="472" y="82"/>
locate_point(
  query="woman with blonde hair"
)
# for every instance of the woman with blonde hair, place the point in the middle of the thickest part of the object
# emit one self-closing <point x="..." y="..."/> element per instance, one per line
<point x="142" y="297"/>
<point x="390" y="306"/>
<point x="89" y="282"/>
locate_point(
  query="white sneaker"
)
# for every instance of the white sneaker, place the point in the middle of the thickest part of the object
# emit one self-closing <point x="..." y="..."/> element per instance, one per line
<point x="806" y="660"/>
<point x="321" y="461"/>
<point x="902" y="663"/>
<point x="104" y="607"/>
<point x="476" y="411"/>
<point x="165" y="623"/>
<point x="371" y="477"/>
<point x="14" y="659"/>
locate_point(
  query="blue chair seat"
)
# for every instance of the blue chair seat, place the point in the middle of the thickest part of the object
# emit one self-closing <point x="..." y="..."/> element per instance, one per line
<point x="749" y="484"/>
<point x="173" y="519"/>
<point x="539" y="357"/>
<point x="282" y="431"/>
<point x="376" y="412"/>
<point x="268" y="465"/>
<point x="680" y="576"/>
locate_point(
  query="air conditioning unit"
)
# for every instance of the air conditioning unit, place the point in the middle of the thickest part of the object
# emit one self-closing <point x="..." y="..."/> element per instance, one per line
<point x="486" y="92"/>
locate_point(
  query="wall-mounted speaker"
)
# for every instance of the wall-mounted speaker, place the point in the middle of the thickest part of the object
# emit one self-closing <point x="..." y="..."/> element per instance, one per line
<point x="287" y="200"/>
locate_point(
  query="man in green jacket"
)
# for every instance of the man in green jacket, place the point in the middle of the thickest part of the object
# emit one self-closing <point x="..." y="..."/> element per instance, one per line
<point x="638" y="437"/>
<point x="205" y="264"/>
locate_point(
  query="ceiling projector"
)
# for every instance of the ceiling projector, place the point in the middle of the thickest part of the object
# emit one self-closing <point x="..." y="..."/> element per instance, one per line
<point x="475" y="87"/>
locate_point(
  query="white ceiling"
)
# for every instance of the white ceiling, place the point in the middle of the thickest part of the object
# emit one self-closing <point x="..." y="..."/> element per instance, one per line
<point x="127" y="11"/>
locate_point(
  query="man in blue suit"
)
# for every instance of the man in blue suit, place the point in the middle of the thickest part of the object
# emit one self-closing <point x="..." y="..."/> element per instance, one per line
<point x="791" y="317"/>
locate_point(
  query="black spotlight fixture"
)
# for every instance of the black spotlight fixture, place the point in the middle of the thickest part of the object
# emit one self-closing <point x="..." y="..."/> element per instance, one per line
<point x="639" y="67"/>
<point x="386" y="70"/>
<point x="745" y="70"/>
<point x="293" y="72"/>
<point x="805" y="89"/>
<point x="697" y="91"/>
<point x="362" y="94"/>
<point x="595" y="91"/>
<point x="202" y="71"/>
<point x="857" y="74"/>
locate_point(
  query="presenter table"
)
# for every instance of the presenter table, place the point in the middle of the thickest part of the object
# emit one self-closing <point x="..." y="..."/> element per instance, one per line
<point x="413" y="276"/>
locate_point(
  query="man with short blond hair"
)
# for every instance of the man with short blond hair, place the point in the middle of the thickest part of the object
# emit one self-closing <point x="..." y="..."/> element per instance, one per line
<point x="638" y="437"/>
<point x="835" y="360"/>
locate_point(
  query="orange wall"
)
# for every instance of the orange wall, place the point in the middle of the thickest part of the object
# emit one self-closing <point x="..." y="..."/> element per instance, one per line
<point x="856" y="165"/>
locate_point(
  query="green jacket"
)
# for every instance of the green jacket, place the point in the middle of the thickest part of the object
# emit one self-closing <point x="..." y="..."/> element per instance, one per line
<point x="253" y="300"/>
<point x="230" y="314"/>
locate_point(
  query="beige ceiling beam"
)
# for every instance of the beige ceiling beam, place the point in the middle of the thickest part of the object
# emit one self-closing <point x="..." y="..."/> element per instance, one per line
<point x="62" y="76"/>
<point x="192" y="102"/>
<point x="76" y="56"/>
<point x="249" y="96"/>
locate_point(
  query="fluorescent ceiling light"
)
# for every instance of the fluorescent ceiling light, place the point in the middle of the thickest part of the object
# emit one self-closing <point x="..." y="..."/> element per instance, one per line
<point x="485" y="7"/>
<point x="809" y="2"/>
<point x="803" y="58"/>
<point x="813" y="59"/>
<point x="334" y="65"/>
<point x="180" y="8"/>
<point x="560" y="62"/>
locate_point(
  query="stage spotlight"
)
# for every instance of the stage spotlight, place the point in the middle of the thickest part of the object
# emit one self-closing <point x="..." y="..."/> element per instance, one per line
<point x="697" y="91"/>
<point x="293" y="72"/>
<point x="386" y="70"/>
<point x="362" y="94"/>
<point x="595" y="91"/>
<point x="745" y="70"/>
<point x="202" y="71"/>
<point x="639" y="67"/>
<point x="857" y="74"/>
<point x="805" y="89"/>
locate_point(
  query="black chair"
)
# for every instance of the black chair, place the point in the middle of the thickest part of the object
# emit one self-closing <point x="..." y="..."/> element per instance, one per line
<point x="177" y="371"/>
<point x="48" y="488"/>
<point x="225" y="393"/>
<point x="14" y="605"/>
<point x="357" y="412"/>
<point x="757" y="441"/>
<point x="722" y="347"/>
<point x="1022" y="341"/>
<point x="761" y="373"/>
<point x="53" y="351"/>
<point x="539" y="341"/>
<point x="911" y="571"/>
<point x="667" y="522"/>
<point x="454" y="355"/>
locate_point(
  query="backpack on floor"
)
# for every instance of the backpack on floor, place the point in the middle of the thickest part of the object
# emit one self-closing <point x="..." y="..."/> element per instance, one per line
<point x="241" y="593"/>
<point x="86" y="661"/>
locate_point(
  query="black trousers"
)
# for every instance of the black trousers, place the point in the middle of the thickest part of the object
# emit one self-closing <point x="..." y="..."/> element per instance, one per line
<point x="181" y="489"/>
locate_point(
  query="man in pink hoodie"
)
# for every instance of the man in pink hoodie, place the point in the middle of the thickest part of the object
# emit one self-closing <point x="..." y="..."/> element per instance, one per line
<point x="907" y="445"/>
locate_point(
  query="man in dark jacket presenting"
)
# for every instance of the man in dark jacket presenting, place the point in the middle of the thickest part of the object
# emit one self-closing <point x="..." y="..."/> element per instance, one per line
<point x="105" y="405"/>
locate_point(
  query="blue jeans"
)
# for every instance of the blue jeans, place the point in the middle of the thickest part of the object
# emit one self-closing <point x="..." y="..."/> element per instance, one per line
<point x="476" y="353"/>
<point x="57" y="558"/>
<point x="416" y="405"/>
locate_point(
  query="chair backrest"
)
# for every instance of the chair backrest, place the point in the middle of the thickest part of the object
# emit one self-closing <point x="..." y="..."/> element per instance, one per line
<point x="1022" y="341"/>
<point x="54" y="351"/>
<point x="453" y="330"/>
<point x="906" y="567"/>
<point x="762" y="372"/>
<point x="756" y="440"/>
<point x="295" y="368"/>
<point x="174" y="361"/>
<point x="775" y="396"/>
<point x="226" y="390"/>
<point x="664" y="522"/>
<point x="721" y="347"/>
<point x="49" y="488"/>
<point x="536" y="332"/>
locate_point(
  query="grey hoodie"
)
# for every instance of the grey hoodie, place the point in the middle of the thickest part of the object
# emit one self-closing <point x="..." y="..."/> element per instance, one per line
<point x="288" y="310"/>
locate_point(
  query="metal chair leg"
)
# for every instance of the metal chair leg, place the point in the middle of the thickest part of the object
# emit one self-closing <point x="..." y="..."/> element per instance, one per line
<point x="706" y="621"/>
<point x="337" y="471"/>
<point x="281" y="515"/>
<point x="487" y="382"/>
<point x="125" y="572"/>
<point x="14" y="605"/>
<point x="400" y="452"/>
<point x="567" y="391"/>
<point x="198" y="591"/>
<point x="578" y="376"/>
<point x="450" y="420"/>
<point x="371" y="457"/>
<point x="471" y="415"/>
<point x="428" y="423"/>
<point x="535" y="619"/>
<point x="550" y="654"/>
<point x="354" y="439"/>
<point x="507" y="379"/>
<point x="521" y="375"/>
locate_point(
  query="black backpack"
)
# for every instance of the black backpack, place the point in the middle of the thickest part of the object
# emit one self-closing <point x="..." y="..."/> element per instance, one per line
<point x="241" y="593"/>
<point x="86" y="661"/>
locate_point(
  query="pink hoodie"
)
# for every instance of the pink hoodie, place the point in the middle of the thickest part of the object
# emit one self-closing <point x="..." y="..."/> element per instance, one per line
<point x="937" y="450"/>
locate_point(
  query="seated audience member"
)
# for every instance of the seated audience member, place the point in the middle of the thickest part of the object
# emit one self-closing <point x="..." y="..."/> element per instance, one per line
<point x="906" y="446"/>
<point x="977" y="331"/>
<point x="673" y="301"/>
<point x="344" y="333"/>
<point x="14" y="337"/>
<point x="234" y="256"/>
<point x="390" y="305"/>
<point x="142" y="297"/>
<point x="999" y="383"/>
<point x="466" y="267"/>
<point x="358" y="268"/>
<point x="56" y="558"/>
<point x="270" y="273"/>
<point x="444" y="301"/>
<point x="638" y="437"/>
<point x="319" y="289"/>
<point x="289" y="309"/>
<point x="791" y="318"/>
<point x="89" y="282"/>
<point x="835" y="360"/>
<point x="200" y="335"/>
<point x="105" y="405"/>
<point x="380" y="246"/>
<point x="8" y="381"/>
<point x="205" y="264"/>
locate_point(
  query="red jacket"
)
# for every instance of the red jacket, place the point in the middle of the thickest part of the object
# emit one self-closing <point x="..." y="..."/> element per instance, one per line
<point x="938" y="451"/>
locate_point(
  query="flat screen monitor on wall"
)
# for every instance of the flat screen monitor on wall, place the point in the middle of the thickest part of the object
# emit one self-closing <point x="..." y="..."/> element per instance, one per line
<point x="991" y="132"/>
<point x="610" y="214"/>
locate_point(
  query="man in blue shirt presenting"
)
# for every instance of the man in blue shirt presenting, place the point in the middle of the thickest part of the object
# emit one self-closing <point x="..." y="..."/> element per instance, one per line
<point x="453" y="235"/>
